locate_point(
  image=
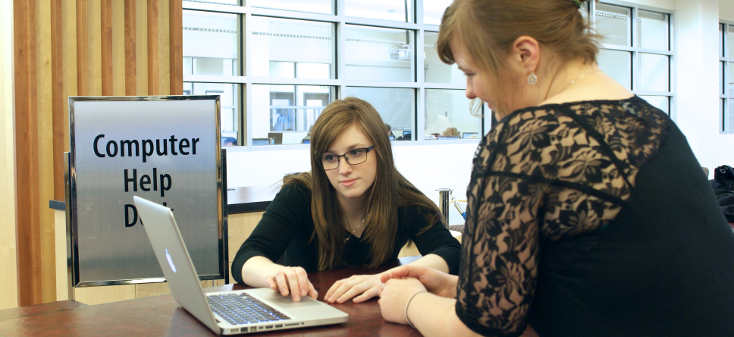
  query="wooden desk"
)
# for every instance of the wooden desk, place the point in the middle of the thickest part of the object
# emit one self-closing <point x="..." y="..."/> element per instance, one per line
<point x="161" y="316"/>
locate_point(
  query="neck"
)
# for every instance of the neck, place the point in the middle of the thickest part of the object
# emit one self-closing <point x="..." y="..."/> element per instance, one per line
<point x="568" y="75"/>
<point x="354" y="209"/>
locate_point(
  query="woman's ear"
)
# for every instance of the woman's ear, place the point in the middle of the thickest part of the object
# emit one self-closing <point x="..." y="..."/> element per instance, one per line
<point x="525" y="54"/>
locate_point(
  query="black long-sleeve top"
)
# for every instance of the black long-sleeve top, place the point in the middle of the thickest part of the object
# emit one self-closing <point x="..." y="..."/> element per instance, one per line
<point x="593" y="219"/>
<point x="287" y="227"/>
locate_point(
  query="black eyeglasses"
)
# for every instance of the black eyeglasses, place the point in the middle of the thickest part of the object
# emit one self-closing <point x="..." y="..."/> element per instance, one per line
<point x="353" y="157"/>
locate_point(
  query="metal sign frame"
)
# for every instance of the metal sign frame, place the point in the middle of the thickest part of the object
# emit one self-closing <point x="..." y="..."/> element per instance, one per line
<point x="73" y="269"/>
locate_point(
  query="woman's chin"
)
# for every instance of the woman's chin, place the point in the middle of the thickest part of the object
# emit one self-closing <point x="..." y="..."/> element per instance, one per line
<point x="352" y="194"/>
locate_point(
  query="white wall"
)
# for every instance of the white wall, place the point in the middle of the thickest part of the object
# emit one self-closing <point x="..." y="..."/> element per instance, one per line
<point x="726" y="10"/>
<point x="8" y="261"/>
<point x="697" y="111"/>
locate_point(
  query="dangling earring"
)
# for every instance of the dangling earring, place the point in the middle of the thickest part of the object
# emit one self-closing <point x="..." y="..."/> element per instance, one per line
<point x="532" y="79"/>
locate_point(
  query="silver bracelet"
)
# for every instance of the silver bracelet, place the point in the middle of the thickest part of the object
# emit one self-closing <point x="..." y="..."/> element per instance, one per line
<point x="408" y="304"/>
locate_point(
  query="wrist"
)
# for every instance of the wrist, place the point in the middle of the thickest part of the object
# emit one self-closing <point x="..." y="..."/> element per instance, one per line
<point x="407" y="305"/>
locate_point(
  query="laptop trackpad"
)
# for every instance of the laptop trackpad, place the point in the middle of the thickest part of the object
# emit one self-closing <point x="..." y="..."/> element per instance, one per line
<point x="285" y="302"/>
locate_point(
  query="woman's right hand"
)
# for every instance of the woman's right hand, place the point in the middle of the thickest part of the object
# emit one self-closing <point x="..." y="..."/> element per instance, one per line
<point x="293" y="281"/>
<point x="436" y="282"/>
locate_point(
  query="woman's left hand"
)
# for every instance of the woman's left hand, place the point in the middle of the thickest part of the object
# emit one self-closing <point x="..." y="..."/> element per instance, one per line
<point x="394" y="297"/>
<point x="368" y="286"/>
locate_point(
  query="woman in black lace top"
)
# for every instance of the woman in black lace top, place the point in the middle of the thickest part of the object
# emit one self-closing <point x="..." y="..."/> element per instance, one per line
<point x="588" y="214"/>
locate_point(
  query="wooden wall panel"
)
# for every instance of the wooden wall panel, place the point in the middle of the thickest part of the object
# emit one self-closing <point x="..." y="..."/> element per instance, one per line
<point x="131" y="60"/>
<point x="8" y="247"/>
<point x="141" y="47"/>
<point x="68" y="48"/>
<point x="57" y="93"/>
<point x="118" y="49"/>
<point x="82" y="49"/>
<point x="94" y="47"/>
<point x="175" y="40"/>
<point x="164" y="74"/>
<point x="62" y="278"/>
<point x="26" y="164"/>
<point x="45" y="144"/>
<point x="153" y="46"/>
<point x="69" y="54"/>
<point x="106" y="46"/>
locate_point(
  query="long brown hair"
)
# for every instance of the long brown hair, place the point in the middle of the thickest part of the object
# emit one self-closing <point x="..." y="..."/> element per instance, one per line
<point x="486" y="29"/>
<point x="389" y="191"/>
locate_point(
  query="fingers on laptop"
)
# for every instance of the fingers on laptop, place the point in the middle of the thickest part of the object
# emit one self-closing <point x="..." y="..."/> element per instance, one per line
<point x="312" y="291"/>
<point x="294" y="281"/>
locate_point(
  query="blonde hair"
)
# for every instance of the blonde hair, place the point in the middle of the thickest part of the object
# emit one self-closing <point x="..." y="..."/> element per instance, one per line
<point x="486" y="29"/>
<point x="389" y="191"/>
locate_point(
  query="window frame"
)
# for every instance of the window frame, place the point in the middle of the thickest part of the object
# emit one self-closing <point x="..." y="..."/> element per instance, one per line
<point x="340" y="20"/>
<point x="726" y="59"/>
<point x="635" y="50"/>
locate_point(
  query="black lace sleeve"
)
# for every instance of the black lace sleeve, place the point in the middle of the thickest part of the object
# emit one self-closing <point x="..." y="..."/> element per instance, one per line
<point x="544" y="174"/>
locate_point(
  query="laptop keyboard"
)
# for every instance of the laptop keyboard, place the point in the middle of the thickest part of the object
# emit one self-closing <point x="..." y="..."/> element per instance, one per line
<point x="241" y="308"/>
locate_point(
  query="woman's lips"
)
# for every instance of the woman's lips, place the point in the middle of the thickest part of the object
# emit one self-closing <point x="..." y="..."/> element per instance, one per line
<point x="348" y="182"/>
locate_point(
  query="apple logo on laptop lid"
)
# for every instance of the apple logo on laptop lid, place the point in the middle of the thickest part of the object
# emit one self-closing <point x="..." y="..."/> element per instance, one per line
<point x="170" y="261"/>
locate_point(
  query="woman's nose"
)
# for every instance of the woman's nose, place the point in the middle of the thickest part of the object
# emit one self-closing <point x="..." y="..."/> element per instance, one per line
<point x="344" y="166"/>
<point x="470" y="91"/>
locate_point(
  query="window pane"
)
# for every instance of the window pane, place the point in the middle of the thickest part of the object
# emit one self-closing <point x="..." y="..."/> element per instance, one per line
<point x="654" y="72"/>
<point x="653" y="30"/>
<point x="292" y="48"/>
<point x="229" y="99"/>
<point x="284" y="114"/>
<point x="437" y="71"/>
<point x="310" y="6"/>
<point x="731" y="79"/>
<point x="613" y="23"/>
<point x="433" y="10"/>
<point x="379" y="54"/>
<point x="448" y="116"/>
<point x="380" y="9"/>
<point x="396" y="106"/>
<point x="722" y="116"/>
<point x="210" y="43"/>
<point x="618" y="65"/>
<point x="722" y="87"/>
<point x="730" y="118"/>
<point x="660" y="102"/>
<point x="731" y="41"/>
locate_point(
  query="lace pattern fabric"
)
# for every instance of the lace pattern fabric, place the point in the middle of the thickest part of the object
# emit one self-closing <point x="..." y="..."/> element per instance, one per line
<point x="545" y="174"/>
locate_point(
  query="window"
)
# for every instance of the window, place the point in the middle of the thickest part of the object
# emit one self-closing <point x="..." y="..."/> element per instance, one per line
<point x="726" y="76"/>
<point x="278" y="63"/>
<point x="637" y="49"/>
<point x="210" y="49"/>
<point x="447" y="117"/>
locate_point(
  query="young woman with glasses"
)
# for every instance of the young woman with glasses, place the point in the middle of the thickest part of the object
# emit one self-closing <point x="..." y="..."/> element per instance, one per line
<point x="353" y="209"/>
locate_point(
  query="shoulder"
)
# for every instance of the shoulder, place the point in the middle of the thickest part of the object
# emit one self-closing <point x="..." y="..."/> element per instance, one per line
<point x="295" y="191"/>
<point x="411" y="215"/>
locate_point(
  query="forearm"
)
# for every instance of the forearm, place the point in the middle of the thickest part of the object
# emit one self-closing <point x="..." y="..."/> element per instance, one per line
<point x="432" y="261"/>
<point x="435" y="316"/>
<point x="256" y="269"/>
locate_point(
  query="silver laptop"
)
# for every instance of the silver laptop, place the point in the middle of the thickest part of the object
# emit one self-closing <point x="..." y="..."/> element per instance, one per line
<point x="230" y="312"/>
